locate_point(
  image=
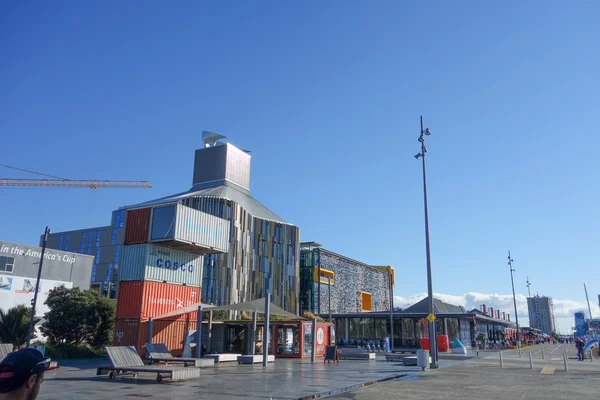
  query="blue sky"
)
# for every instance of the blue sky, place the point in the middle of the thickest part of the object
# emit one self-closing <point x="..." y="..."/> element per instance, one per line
<point x="327" y="95"/>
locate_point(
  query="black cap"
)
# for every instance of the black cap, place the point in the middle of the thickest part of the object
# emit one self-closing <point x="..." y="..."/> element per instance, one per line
<point x="17" y="367"/>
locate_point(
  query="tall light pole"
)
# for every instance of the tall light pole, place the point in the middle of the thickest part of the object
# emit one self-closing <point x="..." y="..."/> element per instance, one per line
<point x="510" y="261"/>
<point x="431" y="325"/>
<point x="37" y="287"/>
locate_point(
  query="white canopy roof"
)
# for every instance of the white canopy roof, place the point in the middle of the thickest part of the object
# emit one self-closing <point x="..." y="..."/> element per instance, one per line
<point x="257" y="305"/>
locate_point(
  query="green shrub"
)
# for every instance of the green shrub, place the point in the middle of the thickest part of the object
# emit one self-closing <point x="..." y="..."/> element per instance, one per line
<point x="14" y="325"/>
<point x="78" y="317"/>
<point x="66" y="350"/>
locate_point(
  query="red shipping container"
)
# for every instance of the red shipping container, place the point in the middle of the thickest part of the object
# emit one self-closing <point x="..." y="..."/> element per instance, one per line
<point x="147" y="299"/>
<point x="131" y="332"/>
<point x="137" y="226"/>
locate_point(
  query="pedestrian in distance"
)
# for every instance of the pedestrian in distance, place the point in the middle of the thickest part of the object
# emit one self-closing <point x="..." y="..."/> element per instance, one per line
<point x="579" y="344"/>
<point x="22" y="374"/>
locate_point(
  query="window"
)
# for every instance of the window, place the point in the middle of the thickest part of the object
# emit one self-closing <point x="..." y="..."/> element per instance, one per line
<point x="94" y="273"/>
<point x="113" y="238"/>
<point x="97" y="255"/>
<point x="7" y="264"/>
<point x="90" y="242"/>
<point x="68" y="242"/>
<point x="109" y="272"/>
<point x="82" y="245"/>
<point x="118" y="254"/>
<point x="61" y="239"/>
<point x="119" y="219"/>
<point x="98" y="238"/>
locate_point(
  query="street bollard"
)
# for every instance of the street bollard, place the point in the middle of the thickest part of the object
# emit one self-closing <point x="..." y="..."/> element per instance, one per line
<point x="543" y="354"/>
<point x="530" y="361"/>
<point x="591" y="356"/>
<point x="501" y="361"/>
<point x="520" y="355"/>
<point x="477" y="353"/>
<point x="565" y="360"/>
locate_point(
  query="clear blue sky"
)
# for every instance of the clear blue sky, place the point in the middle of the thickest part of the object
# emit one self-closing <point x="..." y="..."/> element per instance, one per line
<point x="327" y="95"/>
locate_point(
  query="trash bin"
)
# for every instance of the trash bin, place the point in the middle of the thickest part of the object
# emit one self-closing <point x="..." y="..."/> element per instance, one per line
<point x="423" y="359"/>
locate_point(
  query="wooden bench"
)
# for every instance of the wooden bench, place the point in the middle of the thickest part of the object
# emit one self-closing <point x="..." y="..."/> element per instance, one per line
<point x="225" y="357"/>
<point x="355" y="353"/>
<point x="158" y="353"/>
<point x="126" y="361"/>
<point x="254" y="359"/>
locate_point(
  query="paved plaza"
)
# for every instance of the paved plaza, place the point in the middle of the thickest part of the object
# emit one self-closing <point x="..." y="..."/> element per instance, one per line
<point x="284" y="379"/>
<point x="479" y="377"/>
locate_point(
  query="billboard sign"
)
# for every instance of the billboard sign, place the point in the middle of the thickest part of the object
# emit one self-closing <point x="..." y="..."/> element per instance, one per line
<point x="16" y="290"/>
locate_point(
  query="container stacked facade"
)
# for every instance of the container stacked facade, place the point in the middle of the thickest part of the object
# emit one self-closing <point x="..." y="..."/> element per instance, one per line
<point x="158" y="276"/>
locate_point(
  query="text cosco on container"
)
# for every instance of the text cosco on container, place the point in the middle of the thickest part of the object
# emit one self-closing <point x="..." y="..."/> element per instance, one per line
<point x="166" y="264"/>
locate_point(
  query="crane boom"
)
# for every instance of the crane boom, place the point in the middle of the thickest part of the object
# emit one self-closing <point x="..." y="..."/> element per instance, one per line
<point x="64" y="183"/>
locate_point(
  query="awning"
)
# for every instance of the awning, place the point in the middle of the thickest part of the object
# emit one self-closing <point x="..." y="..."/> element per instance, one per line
<point x="185" y="310"/>
<point x="257" y="305"/>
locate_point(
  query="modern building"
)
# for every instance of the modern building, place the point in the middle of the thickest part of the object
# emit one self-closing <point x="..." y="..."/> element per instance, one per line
<point x="19" y="265"/>
<point x="580" y="324"/>
<point x="104" y="243"/>
<point x="411" y="325"/>
<point x="541" y="313"/>
<point x="332" y="283"/>
<point x="262" y="249"/>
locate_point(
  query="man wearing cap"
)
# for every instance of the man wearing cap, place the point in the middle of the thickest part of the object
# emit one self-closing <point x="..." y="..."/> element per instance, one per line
<point x="22" y="373"/>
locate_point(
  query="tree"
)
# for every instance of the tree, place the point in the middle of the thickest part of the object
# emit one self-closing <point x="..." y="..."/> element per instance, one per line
<point x="78" y="316"/>
<point x="14" y="325"/>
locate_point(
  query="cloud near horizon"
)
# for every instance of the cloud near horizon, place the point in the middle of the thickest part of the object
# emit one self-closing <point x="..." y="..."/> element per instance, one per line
<point x="563" y="309"/>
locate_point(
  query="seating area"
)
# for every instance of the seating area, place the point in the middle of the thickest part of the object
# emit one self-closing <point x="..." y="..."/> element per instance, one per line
<point x="355" y="353"/>
<point x="158" y="353"/>
<point x="254" y="359"/>
<point x="5" y="349"/>
<point x="223" y="357"/>
<point x="376" y="346"/>
<point x="126" y="361"/>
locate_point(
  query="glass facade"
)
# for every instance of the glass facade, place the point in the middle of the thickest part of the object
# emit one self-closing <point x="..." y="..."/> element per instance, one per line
<point x="408" y="331"/>
<point x="263" y="257"/>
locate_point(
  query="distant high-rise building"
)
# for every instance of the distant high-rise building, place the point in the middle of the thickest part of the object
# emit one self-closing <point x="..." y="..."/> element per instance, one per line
<point x="541" y="313"/>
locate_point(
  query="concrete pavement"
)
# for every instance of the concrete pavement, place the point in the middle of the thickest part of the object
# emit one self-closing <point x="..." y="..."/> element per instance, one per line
<point x="483" y="378"/>
<point x="457" y="378"/>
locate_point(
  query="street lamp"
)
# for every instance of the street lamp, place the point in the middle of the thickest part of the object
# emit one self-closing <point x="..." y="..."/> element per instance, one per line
<point x="431" y="316"/>
<point x="510" y="261"/>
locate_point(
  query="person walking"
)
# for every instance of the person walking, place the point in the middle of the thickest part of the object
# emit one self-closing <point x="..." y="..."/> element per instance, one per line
<point x="579" y="344"/>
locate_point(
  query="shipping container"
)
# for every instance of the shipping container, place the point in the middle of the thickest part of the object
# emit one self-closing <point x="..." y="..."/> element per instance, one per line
<point x="137" y="226"/>
<point x="148" y="262"/>
<point x="148" y="299"/>
<point x="185" y="228"/>
<point x="133" y="332"/>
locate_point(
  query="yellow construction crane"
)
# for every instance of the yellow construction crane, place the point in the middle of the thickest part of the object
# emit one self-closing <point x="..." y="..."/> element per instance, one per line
<point x="57" y="181"/>
<point x="66" y="183"/>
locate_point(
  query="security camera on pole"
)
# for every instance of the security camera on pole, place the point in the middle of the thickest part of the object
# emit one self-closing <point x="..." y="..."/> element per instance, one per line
<point x="431" y="316"/>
